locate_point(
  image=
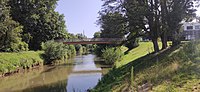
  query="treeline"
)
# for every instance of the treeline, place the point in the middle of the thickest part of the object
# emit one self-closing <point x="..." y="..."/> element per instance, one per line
<point x="25" y="24"/>
<point x="149" y="19"/>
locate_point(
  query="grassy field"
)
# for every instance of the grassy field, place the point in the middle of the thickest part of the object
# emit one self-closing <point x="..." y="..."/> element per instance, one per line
<point x="11" y="61"/>
<point x="173" y="70"/>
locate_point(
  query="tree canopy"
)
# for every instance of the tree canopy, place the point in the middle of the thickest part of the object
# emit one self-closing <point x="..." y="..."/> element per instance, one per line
<point x="10" y="31"/>
<point x="40" y="20"/>
<point x="152" y="18"/>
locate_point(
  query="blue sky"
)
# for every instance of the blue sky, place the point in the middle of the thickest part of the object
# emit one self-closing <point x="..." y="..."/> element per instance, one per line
<point x="80" y="15"/>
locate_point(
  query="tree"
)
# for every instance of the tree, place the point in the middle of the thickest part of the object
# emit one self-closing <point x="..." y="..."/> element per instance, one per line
<point x="41" y="22"/>
<point x="10" y="31"/>
<point x="178" y="11"/>
<point x="139" y="13"/>
<point x="80" y="36"/>
<point x="156" y="18"/>
<point x="97" y="35"/>
<point x="112" y="25"/>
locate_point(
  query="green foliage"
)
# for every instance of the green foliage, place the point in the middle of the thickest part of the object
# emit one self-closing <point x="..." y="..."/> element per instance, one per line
<point x="111" y="55"/>
<point x="71" y="50"/>
<point x="54" y="52"/>
<point x="80" y="36"/>
<point x="173" y="70"/>
<point x="85" y="50"/>
<point x="40" y="21"/>
<point x="97" y="35"/>
<point x="112" y="25"/>
<point x="79" y="48"/>
<point x="154" y="13"/>
<point x="10" y="32"/>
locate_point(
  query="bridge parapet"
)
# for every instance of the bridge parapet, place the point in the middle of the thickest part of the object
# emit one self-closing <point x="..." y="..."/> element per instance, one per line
<point x="91" y="40"/>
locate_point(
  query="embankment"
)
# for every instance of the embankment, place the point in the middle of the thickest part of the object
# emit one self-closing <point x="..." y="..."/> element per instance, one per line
<point x="11" y="63"/>
<point x="175" y="69"/>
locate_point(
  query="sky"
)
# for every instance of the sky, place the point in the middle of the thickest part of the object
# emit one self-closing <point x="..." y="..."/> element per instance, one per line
<point x="80" y="15"/>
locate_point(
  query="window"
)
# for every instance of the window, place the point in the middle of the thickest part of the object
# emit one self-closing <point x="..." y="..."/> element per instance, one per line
<point x="189" y="27"/>
<point x="197" y="27"/>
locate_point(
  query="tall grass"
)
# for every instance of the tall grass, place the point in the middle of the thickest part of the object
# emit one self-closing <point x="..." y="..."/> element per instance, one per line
<point x="11" y="61"/>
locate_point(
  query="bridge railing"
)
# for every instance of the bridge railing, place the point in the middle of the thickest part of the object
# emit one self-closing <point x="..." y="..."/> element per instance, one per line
<point x="93" y="40"/>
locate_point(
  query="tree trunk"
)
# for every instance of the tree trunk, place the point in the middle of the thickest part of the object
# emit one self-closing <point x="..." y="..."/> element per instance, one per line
<point x="164" y="40"/>
<point x="176" y="39"/>
<point x="164" y="24"/>
<point x="155" y="44"/>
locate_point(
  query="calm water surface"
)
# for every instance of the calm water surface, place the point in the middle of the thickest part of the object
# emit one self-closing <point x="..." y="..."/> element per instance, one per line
<point x="79" y="76"/>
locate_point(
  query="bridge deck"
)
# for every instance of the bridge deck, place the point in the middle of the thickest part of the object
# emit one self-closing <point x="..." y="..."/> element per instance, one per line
<point x="92" y="41"/>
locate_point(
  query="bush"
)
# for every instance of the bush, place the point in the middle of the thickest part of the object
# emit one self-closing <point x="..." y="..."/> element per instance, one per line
<point x="54" y="51"/>
<point x="71" y="51"/>
<point x="111" y="55"/>
<point x="79" y="48"/>
<point x="12" y="41"/>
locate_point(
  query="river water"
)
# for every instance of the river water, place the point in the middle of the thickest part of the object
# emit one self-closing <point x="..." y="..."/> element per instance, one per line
<point x="78" y="76"/>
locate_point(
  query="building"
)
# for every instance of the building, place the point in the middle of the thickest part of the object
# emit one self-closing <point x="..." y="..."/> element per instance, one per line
<point x="191" y="30"/>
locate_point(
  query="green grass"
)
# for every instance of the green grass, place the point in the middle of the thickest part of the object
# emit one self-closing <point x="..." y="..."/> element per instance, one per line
<point x="11" y="61"/>
<point x="173" y="70"/>
<point x="143" y="49"/>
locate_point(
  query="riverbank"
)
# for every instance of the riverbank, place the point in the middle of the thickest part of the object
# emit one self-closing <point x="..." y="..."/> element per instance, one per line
<point x="175" y="69"/>
<point x="15" y="62"/>
<point x="81" y="74"/>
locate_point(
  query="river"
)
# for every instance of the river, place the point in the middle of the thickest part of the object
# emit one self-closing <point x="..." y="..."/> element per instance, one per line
<point x="78" y="76"/>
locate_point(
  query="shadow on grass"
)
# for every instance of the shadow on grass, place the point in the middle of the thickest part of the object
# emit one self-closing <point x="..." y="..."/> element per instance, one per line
<point x="117" y="76"/>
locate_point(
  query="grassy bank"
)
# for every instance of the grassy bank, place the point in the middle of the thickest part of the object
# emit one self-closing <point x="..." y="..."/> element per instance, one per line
<point x="175" y="69"/>
<point x="10" y="62"/>
<point x="143" y="49"/>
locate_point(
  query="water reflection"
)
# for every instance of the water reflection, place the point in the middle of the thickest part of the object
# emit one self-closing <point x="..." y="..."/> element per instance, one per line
<point x="63" y="78"/>
<point x="60" y="86"/>
<point x="82" y="82"/>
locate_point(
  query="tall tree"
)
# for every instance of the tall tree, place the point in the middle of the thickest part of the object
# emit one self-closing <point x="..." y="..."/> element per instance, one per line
<point x="139" y="13"/>
<point x="10" y="31"/>
<point x="156" y="18"/>
<point x="178" y="11"/>
<point x="112" y="25"/>
<point x="97" y="35"/>
<point x="40" y="20"/>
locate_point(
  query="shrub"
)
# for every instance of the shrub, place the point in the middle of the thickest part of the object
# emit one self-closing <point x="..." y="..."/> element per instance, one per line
<point x="71" y="51"/>
<point x="54" y="51"/>
<point x="79" y="48"/>
<point x="12" y="41"/>
<point x="111" y="55"/>
<point x="84" y="50"/>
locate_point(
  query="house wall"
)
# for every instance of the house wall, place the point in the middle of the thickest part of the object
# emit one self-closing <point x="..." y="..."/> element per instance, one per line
<point x="191" y="31"/>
